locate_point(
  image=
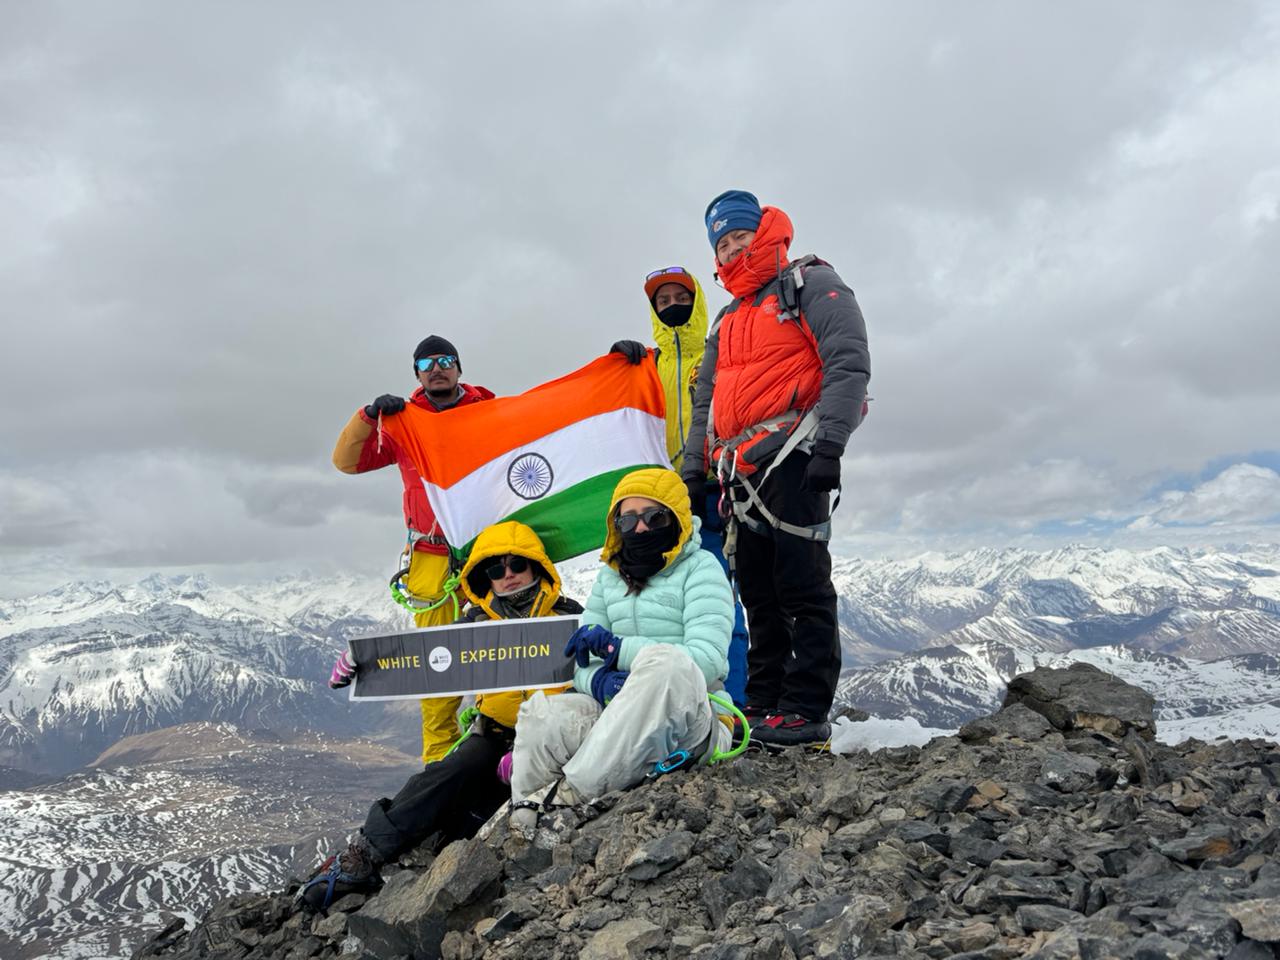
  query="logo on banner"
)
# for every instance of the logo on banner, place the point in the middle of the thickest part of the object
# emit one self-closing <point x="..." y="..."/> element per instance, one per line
<point x="439" y="659"/>
<point x="530" y="476"/>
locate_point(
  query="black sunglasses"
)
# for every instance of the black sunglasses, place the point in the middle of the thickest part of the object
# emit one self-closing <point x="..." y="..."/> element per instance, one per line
<point x="498" y="569"/>
<point x="655" y="518"/>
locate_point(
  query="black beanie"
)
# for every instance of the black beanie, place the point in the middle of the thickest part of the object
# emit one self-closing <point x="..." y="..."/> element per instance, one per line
<point x="435" y="346"/>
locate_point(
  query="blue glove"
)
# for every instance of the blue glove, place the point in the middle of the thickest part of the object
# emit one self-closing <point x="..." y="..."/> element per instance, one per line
<point x="606" y="683"/>
<point x="594" y="639"/>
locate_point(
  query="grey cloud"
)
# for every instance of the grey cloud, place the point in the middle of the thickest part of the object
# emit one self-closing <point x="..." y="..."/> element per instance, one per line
<point x="36" y="515"/>
<point x="225" y="228"/>
<point x="189" y="510"/>
<point x="1242" y="492"/>
<point x="293" y="498"/>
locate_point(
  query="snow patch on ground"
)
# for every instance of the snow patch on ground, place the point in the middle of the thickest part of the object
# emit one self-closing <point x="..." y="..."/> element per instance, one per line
<point x="1253" y="722"/>
<point x="876" y="734"/>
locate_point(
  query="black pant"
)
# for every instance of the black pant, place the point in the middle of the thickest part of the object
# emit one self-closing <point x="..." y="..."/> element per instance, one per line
<point x="794" y="660"/>
<point x="455" y="796"/>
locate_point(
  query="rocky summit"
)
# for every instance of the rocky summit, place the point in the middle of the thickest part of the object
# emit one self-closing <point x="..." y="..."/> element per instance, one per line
<point x="1057" y="827"/>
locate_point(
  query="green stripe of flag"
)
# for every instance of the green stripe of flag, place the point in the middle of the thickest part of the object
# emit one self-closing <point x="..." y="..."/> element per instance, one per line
<point x="572" y="521"/>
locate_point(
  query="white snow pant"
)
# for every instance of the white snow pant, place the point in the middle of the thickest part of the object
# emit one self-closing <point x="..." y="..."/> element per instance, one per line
<point x="661" y="708"/>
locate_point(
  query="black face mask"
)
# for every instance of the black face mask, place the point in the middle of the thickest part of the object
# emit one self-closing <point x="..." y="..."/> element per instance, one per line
<point x="518" y="605"/>
<point x="641" y="554"/>
<point x="676" y="315"/>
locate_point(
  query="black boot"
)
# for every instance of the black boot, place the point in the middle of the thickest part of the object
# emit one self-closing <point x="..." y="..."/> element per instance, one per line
<point x="790" y="729"/>
<point x="355" y="870"/>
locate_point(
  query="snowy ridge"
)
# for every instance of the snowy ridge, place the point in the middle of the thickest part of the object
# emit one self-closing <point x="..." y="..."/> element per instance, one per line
<point x="1204" y="604"/>
<point x="1235" y="696"/>
<point x="938" y="637"/>
<point x="91" y="862"/>
<point x="93" y="909"/>
<point x="87" y="664"/>
<point x="285" y="603"/>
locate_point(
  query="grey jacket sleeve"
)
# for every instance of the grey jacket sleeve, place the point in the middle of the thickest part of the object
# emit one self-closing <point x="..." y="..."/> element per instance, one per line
<point x="835" y="319"/>
<point x="695" y="462"/>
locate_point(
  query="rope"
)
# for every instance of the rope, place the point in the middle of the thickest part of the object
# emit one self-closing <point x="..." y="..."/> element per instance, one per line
<point x="417" y="604"/>
<point x="465" y="719"/>
<point x="716" y="755"/>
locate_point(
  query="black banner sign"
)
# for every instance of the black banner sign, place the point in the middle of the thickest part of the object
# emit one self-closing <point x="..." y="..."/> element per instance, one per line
<point x="486" y="657"/>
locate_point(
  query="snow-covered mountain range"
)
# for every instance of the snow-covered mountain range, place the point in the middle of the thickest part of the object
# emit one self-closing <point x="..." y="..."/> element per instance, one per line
<point x="934" y="637"/>
<point x="92" y="863"/>
<point x="89" y="663"/>
<point x="938" y="637"/>
<point x="174" y="814"/>
<point x="1200" y="604"/>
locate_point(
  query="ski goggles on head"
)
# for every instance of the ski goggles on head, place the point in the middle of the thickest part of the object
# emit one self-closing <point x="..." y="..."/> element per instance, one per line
<point x="677" y="275"/>
<point x="444" y="363"/>
<point x="499" y="567"/>
<point x="655" y="518"/>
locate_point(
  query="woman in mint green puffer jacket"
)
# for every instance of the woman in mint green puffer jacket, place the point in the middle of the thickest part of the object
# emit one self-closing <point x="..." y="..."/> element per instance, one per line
<point x="653" y="641"/>
<point x="683" y="604"/>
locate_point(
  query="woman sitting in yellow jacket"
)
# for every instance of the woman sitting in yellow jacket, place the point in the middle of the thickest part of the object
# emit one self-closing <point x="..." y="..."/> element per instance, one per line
<point x="508" y="575"/>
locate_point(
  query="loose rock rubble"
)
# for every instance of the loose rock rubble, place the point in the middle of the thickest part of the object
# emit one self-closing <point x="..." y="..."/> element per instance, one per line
<point x="1054" y="829"/>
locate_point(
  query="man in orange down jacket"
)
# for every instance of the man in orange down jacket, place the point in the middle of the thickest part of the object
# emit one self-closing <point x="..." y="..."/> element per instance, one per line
<point x="362" y="447"/>
<point x="783" y="384"/>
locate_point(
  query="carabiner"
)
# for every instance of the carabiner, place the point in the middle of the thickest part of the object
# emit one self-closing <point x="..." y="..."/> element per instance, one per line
<point x="676" y="761"/>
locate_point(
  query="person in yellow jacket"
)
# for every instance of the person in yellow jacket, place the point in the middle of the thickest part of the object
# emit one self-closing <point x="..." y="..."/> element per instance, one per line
<point x="678" y="314"/>
<point x="507" y="576"/>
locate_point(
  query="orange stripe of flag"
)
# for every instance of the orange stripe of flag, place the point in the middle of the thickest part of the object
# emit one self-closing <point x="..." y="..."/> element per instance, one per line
<point x="448" y="445"/>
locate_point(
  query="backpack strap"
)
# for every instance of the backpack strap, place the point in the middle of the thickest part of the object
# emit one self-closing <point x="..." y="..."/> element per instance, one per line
<point x="790" y="280"/>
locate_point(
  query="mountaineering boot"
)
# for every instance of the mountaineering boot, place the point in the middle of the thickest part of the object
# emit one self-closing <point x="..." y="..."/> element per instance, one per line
<point x="355" y="870"/>
<point x="526" y="813"/>
<point x="790" y="729"/>
<point x="755" y="715"/>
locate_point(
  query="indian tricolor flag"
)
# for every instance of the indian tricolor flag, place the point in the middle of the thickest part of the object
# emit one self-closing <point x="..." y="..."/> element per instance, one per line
<point x="549" y="457"/>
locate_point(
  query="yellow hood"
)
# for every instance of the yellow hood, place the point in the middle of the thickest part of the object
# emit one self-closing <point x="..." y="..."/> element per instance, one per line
<point x="679" y="357"/>
<point x="501" y="539"/>
<point x="692" y="335"/>
<point x="664" y="486"/>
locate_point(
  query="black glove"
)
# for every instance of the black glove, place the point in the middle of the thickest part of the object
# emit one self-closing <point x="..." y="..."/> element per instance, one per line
<point x="386" y="404"/>
<point x="823" y="472"/>
<point x="697" y="487"/>
<point x="633" y="350"/>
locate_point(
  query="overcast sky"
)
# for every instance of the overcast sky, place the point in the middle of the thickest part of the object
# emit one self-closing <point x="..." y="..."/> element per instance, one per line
<point x="223" y="227"/>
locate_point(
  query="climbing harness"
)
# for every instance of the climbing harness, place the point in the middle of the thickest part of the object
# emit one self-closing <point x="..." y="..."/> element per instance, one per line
<point x="735" y="508"/>
<point x="415" y="604"/>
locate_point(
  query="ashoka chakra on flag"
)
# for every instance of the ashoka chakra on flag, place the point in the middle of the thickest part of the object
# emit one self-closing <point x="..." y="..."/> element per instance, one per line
<point x="530" y="476"/>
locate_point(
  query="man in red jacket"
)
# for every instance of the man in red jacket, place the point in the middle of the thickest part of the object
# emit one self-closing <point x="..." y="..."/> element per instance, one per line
<point x="782" y="385"/>
<point x="362" y="447"/>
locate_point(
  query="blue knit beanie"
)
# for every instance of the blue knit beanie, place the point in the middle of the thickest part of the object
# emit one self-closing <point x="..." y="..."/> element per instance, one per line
<point x="732" y="210"/>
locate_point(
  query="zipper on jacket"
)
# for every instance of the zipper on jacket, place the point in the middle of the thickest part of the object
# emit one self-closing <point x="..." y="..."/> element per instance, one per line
<point x="679" y="392"/>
